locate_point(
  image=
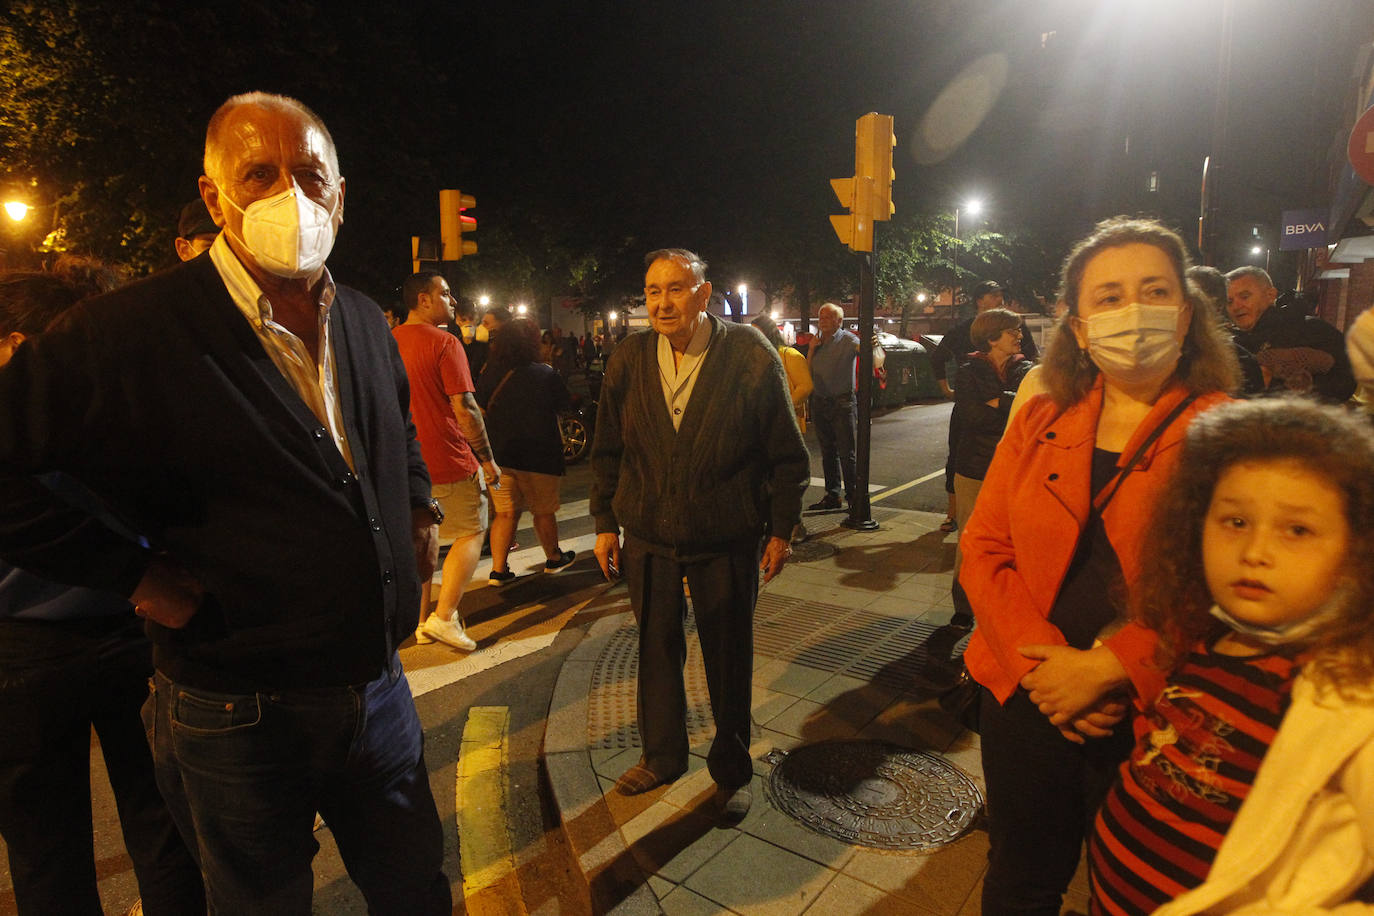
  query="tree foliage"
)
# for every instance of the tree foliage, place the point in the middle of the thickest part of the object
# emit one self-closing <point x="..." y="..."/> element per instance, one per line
<point x="919" y="253"/>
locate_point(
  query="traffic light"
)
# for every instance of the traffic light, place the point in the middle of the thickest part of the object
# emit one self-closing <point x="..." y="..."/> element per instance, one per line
<point x="422" y="250"/>
<point x="452" y="224"/>
<point x="873" y="146"/>
<point x="854" y="228"/>
<point x="868" y="195"/>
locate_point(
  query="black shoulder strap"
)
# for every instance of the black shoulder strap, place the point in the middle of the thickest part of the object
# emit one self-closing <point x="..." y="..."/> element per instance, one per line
<point x="1108" y="492"/>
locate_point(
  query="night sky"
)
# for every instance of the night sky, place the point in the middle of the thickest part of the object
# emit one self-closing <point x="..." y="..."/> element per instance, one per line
<point x="627" y="126"/>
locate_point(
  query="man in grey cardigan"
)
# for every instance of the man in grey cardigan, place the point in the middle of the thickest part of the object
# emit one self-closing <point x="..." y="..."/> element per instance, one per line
<point x="698" y="457"/>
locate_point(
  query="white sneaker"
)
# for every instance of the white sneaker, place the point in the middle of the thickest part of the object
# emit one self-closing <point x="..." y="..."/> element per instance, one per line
<point x="449" y="632"/>
<point x="421" y="637"/>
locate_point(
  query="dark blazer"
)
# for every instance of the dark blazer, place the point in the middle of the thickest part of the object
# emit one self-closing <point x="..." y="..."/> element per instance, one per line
<point x="160" y="399"/>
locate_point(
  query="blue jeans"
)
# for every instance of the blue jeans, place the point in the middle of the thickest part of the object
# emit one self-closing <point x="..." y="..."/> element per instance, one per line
<point x="251" y="770"/>
<point x="836" y="421"/>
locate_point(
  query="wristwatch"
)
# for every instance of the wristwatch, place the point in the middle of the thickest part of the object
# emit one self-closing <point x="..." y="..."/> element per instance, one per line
<point x="433" y="508"/>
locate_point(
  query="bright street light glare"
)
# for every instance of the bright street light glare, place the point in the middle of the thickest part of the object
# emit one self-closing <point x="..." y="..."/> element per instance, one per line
<point x="611" y="316"/>
<point x="1256" y="250"/>
<point x="484" y="301"/>
<point x="17" y="209"/>
<point x="920" y="297"/>
<point x="520" y="309"/>
<point x="973" y="207"/>
<point x="775" y="315"/>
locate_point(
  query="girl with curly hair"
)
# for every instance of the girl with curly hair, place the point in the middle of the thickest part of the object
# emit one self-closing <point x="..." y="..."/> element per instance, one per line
<point x="1251" y="784"/>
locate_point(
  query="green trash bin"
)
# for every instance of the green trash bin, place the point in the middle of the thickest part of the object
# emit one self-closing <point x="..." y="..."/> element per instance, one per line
<point x="901" y="375"/>
<point x="922" y="385"/>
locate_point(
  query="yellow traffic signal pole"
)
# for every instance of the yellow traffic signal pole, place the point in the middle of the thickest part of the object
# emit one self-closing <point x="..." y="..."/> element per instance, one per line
<point x="868" y="197"/>
<point x="860" y="513"/>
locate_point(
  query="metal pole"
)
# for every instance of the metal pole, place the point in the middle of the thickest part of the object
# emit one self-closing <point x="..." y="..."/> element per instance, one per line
<point x="954" y="285"/>
<point x="1210" y="243"/>
<point x="859" y="510"/>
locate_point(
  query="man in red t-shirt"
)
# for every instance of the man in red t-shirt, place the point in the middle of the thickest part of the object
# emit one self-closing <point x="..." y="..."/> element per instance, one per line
<point x="453" y="441"/>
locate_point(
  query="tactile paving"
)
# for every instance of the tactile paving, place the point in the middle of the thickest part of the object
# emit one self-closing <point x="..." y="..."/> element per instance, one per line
<point x="611" y="706"/>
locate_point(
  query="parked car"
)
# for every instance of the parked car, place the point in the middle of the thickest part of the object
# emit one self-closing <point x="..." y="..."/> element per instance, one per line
<point x="578" y="424"/>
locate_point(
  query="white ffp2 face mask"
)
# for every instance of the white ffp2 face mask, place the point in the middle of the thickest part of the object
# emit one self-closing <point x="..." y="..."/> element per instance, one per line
<point x="288" y="234"/>
<point x="1135" y="343"/>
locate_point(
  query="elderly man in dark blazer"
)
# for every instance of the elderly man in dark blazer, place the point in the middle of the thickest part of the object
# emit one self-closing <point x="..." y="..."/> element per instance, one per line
<point x="698" y="457"/>
<point x="249" y="416"/>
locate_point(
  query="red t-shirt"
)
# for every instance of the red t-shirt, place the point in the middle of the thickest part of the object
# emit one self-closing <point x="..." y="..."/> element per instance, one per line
<point x="438" y="369"/>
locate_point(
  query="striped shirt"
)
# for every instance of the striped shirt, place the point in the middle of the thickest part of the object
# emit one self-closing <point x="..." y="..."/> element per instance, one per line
<point x="1162" y="822"/>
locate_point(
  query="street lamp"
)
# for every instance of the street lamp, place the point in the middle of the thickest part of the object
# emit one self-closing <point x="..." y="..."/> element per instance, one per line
<point x="521" y="309"/>
<point x="484" y="301"/>
<point x="973" y="208"/>
<point x="17" y="210"/>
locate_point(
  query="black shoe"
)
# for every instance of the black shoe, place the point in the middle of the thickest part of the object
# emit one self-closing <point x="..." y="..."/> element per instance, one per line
<point x="961" y="621"/>
<point x="831" y="501"/>
<point x="499" y="578"/>
<point x="560" y="562"/>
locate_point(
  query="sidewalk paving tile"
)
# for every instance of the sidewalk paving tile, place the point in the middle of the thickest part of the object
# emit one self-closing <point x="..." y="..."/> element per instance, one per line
<point x="682" y="902"/>
<point x="673" y="842"/>
<point x="915" y="723"/>
<point x="940" y="881"/>
<point x="812" y="722"/>
<point x="766" y="704"/>
<point x="688" y="789"/>
<point x="755" y="877"/>
<point x="773" y="826"/>
<point x="793" y="680"/>
<point x="845" y="896"/>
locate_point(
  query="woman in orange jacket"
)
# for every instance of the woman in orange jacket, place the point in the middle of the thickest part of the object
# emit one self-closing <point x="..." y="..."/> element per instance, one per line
<point x="1054" y="543"/>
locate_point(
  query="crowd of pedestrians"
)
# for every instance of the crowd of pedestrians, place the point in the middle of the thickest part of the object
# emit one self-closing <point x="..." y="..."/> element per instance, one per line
<point x="1164" y="539"/>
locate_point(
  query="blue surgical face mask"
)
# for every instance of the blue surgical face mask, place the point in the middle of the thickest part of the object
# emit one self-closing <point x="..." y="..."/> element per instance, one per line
<point x="1288" y="634"/>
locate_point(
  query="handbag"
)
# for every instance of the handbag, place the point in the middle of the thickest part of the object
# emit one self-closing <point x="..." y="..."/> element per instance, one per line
<point x="961" y="701"/>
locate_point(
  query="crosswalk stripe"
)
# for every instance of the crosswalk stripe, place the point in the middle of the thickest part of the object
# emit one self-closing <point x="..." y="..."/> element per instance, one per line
<point x="906" y="486"/>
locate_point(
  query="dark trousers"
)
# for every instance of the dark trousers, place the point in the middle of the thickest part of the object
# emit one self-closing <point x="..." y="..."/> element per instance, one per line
<point x="836" y="421"/>
<point x="951" y="441"/>
<point x="254" y="768"/>
<point x="723" y="592"/>
<point x="57" y="681"/>
<point x="1043" y="793"/>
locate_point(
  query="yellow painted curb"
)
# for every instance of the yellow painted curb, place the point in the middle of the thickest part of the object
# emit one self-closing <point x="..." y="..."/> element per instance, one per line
<point x="483" y="792"/>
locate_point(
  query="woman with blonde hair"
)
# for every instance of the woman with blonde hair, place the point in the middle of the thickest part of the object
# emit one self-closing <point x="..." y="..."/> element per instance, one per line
<point x="799" y="382"/>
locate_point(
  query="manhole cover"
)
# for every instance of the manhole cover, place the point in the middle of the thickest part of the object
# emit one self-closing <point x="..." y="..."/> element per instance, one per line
<point x="810" y="551"/>
<point x="870" y="793"/>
